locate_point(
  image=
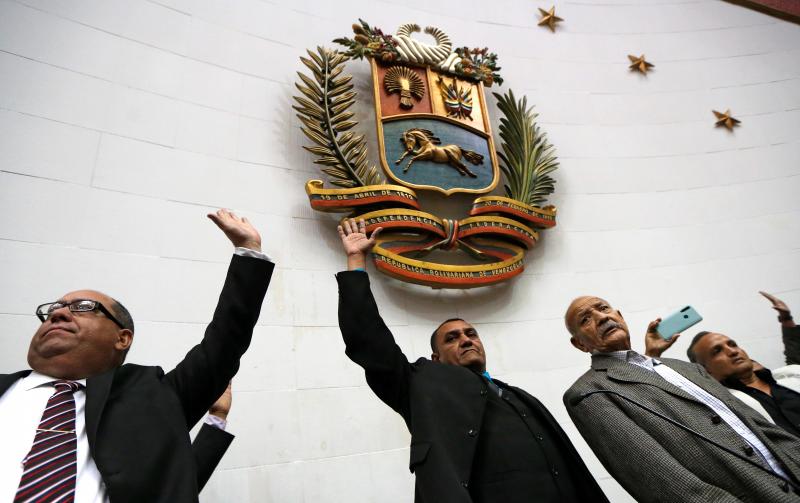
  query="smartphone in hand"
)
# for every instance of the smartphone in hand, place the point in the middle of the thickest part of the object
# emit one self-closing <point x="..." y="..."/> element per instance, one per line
<point x="678" y="322"/>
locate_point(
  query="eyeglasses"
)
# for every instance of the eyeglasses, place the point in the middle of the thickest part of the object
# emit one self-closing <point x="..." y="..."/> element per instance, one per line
<point x="44" y="311"/>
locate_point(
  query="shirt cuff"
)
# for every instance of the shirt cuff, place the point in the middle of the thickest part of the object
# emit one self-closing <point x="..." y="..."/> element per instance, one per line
<point x="247" y="252"/>
<point x="216" y="422"/>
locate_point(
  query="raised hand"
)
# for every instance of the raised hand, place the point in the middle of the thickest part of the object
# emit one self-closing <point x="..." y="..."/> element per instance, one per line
<point x="355" y="242"/>
<point x="223" y="404"/>
<point x="784" y="314"/>
<point x="777" y="304"/>
<point x="654" y="344"/>
<point x="238" y="229"/>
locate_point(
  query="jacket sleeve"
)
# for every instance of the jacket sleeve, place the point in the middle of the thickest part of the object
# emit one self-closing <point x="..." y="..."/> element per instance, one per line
<point x="370" y="344"/>
<point x="636" y="460"/>
<point x="204" y="373"/>
<point x="208" y="447"/>
<point x="791" y="344"/>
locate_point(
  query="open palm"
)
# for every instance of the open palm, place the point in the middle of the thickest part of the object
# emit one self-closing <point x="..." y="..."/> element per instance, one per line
<point x="238" y="229"/>
<point x="354" y="237"/>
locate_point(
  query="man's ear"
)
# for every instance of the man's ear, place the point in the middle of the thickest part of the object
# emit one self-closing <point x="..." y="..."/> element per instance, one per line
<point x="620" y="314"/>
<point x="578" y="344"/>
<point x="124" y="340"/>
<point x="435" y="357"/>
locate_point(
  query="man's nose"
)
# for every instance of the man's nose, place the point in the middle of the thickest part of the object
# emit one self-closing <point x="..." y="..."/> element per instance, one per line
<point x="60" y="314"/>
<point x="600" y="317"/>
<point x="465" y="340"/>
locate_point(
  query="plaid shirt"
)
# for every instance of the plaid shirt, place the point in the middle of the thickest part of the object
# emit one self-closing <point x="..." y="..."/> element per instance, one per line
<point x="703" y="396"/>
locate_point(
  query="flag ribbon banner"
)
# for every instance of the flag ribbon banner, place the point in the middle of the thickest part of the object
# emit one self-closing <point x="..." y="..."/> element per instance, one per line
<point x="495" y="235"/>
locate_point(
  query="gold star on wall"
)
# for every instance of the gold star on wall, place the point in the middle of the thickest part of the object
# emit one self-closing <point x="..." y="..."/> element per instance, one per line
<point x="726" y="119"/>
<point x="640" y="64"/>
<point x="549" y="18"/>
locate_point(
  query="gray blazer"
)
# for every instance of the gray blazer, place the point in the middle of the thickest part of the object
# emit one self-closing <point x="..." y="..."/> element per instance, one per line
<point x="656" y="461"/>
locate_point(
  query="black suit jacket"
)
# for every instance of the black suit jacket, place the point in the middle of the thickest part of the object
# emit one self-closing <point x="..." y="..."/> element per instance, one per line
<point x="441" y="404"/>
<point x="208" y="448"/>
<point x="138" y="418"/>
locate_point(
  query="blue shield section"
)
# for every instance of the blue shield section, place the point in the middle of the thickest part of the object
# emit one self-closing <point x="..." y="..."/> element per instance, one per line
<point x="442" y="175"/>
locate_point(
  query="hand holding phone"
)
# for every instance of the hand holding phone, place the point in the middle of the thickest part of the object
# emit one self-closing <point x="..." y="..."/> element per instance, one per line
<point x="677" y="322"/>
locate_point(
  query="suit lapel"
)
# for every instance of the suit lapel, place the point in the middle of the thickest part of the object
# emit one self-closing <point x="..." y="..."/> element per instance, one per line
<point x="619" y="370"/>
<point x="97" y="390"/>
<point x="717" y="389"/>
<point x="6" y="380"/>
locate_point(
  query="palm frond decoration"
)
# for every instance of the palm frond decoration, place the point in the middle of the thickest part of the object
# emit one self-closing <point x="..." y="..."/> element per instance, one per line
<point x="527" y="157"/>
<point x="323" y="109"/>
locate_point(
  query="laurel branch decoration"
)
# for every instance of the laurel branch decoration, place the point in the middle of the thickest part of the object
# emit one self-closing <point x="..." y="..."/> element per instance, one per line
<point x="324" y="111"/>
<point x="527" y="157"/>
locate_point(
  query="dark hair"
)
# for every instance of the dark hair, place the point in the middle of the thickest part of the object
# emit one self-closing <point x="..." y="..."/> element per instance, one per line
<point x="690" y="352"/>
<point x="122" y="314"/>
<point x="124" y="317"/>
<point x="433" y="335"/>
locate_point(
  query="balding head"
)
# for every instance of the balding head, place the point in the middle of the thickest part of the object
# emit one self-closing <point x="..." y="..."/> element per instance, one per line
<point x="578" y="301"/>
<point x="77" y="345"/>
<point x="595" y="326"/>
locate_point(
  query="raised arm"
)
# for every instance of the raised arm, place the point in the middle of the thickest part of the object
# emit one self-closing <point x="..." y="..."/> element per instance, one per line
<point x="368" y="340"/>
<point x="208" y="367"/>
<point x="790" y="331"/>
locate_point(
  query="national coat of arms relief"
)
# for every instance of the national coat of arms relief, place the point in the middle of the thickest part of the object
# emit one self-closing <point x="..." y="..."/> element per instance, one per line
<point x="434" y="134"/>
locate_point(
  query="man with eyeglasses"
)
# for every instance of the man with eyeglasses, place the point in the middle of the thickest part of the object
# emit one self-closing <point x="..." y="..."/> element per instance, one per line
<point x="81" y="426"/>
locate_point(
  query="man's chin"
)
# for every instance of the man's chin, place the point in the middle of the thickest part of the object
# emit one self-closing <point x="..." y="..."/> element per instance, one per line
<point x="51" y="348"/>
<point x="742" y="368"/>
<point x="617" y="340"/>
<point x="473" y="361"/>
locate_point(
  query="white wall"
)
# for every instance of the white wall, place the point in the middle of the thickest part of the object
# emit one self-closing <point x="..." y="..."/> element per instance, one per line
<point x="122" y="122"/>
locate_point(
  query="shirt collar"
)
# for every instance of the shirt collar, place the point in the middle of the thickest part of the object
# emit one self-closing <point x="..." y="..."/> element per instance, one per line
<point x="631" y="356"/>
<point x="36" y="379"/>
<point x="764" y="374"/>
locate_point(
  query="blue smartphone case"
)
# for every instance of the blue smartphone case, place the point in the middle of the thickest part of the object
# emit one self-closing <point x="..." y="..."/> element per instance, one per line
<point x="678" y="322"/>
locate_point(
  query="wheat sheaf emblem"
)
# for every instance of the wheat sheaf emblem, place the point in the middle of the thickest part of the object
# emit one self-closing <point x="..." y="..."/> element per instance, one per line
<point x="403" y="80"/>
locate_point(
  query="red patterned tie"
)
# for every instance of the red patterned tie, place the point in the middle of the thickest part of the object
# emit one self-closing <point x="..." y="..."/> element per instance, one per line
<point x="49" y="468"/>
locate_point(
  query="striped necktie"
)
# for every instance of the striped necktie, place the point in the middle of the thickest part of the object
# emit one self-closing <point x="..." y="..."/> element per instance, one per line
<point x="49" y="468"/>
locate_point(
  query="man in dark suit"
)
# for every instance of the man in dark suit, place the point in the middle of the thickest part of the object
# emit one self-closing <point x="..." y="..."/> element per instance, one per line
<point x="85" y="426"/>
<point x="653" y="459"/>
<point x="473" y="438"/>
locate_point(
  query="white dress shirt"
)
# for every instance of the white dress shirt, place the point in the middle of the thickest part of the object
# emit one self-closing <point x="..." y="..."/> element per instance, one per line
<point x="706" y="398"/>
<point x="21" y="408"/>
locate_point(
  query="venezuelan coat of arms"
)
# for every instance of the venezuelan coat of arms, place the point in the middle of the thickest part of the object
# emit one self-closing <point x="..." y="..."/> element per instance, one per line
<point x="434" y="134"/>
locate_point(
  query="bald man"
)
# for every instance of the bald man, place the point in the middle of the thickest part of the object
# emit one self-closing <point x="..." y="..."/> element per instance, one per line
<point x="81" y="426"/>
<point x="653" y="459"/>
